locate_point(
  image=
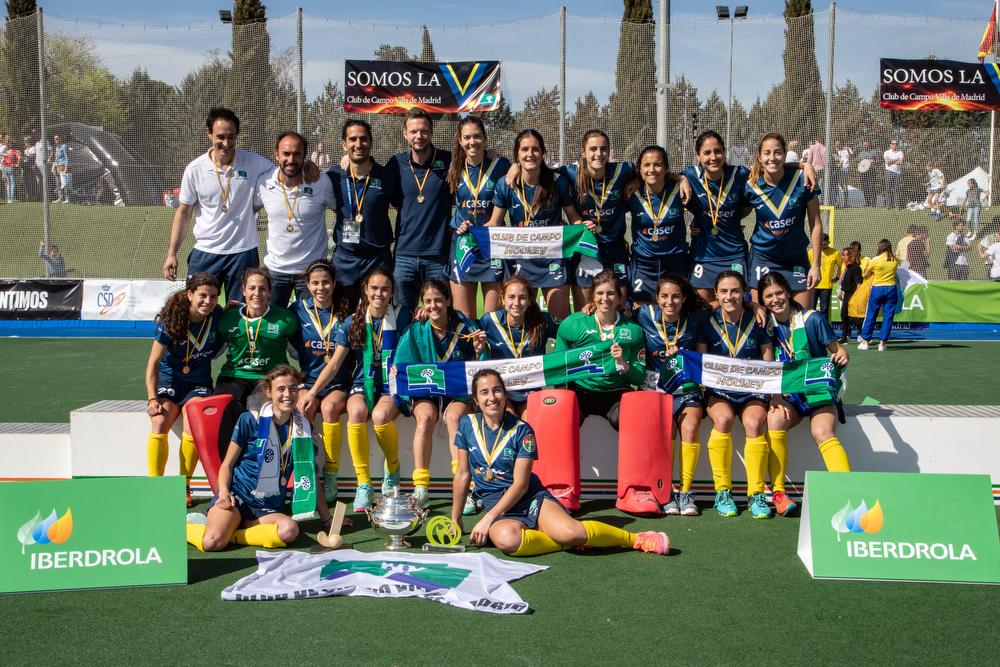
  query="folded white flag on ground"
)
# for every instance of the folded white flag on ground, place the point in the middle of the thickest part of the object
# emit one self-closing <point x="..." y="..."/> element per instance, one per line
<point x="479" y="581"/>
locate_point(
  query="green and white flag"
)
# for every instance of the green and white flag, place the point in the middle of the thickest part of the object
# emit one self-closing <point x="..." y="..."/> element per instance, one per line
<point x="805" y="376"/>
<point x="557" y="242"/>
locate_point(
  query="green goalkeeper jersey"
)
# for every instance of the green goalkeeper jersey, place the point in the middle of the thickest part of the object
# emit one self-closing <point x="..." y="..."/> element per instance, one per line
<point x="579" y="330"/>
<point x="255" y="345"/>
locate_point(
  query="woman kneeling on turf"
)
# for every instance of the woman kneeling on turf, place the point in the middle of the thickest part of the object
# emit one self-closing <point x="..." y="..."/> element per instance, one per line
<point x="798" y="333"/>
<point x="522" y="518"/>
<point x="247" y="509"/>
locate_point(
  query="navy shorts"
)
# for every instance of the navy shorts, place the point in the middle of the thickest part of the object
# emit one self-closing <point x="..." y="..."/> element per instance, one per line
<point x="802" y="407"/>
<point x="248" y="512"/>
<point x="691" y="399"/>
<point x="352" y="268"/>
<point x="227" y="269"/>
<point x="614" y="258"/>
<point x="526" y="509"/>
<point x="344" y="386"/>
<point x="481" y="271"/>
<point x="794" y="272"/>
<point x="180" y="392"/>
<point x="704" y="273"/>
<point x="645" y="273"/>
<point x="542" y="273"/>
<point x="737" y="399"/>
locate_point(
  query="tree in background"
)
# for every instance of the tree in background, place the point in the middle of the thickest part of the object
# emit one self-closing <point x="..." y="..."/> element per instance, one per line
<point x="588" y="115"/>
<point x="251" y="79"/>
<point x="426" y="48"/>
<point x="541" y="111"/>
<point x="632" y="107"/>
<point x="20" y="68"/>
<point x="798" y="102"/>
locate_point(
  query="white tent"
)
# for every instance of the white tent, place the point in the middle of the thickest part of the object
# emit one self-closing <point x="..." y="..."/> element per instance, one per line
<point x="956" y="189"/>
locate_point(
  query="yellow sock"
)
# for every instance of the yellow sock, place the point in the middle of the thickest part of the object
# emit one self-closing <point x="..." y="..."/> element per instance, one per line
<point x="720" y="454"/>
<point x="331" y="445"/>
<point x="196" y="536"/>
<point x="189" y="455"/>
<point x="536" y="543"/>
<point x="777" y="459"/>
<point x="690" y="451"/>
<point x="834" y="455"/>
<point x="755" y="456"/>
<point x="357" y="442"/>
<point x="421" y="477"/>
<point x="156" y="454"/>
<point x="262" y="535"/>
<point x="454" y="467"/>
<point x="602" y="535"/>
<point x="388" y="441"/>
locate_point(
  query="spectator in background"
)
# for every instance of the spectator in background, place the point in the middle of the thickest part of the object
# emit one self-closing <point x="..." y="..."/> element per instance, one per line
<point x="817" y="155"/>
<point x="883" y="297"/>
<point x="830" y="262"/>
<point x="973" y="206"/>
<point x="893" y="159"/>
<point x="849" y="284"/>
<point x="10" y="162"/>
<point x="991" y="236"/>
<point x="867" y="157"/>
<point x="793" y="152"/>
<point x="911" y="233"/>
<point x="29" y="173"/>
<point x="321" y="157"/>
<point x="843" y="175"/>
<point x="935" y="189"/>
<point x="53" y="259"/>
<point x="956" y="258"/>
<point x="61" y="169"/>
<point x="991" y="255"/>
<point x="918" y="251"/>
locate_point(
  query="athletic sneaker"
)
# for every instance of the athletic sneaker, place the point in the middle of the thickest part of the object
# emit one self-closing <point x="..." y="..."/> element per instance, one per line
<point x="724" y="504"/>
<point x="863" y="345"/>
<point x="330" y="485"/>
<point x="652" y="542"/>
<point x="685" y="499"/>
<point x="363" y="498"/>
<point x="672" y="508"/>
<point x="881" y="347"/>
<point x="421" y="496"/>
<point x="758" y="507"/>
<point x="783" y="505"/>
<point x="470" y="506"/>
<point x="188" y="499"/>
<point x="390" y="483"/>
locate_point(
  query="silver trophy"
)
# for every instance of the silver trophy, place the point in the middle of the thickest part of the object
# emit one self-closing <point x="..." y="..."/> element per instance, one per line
<point x="396" y="515"/>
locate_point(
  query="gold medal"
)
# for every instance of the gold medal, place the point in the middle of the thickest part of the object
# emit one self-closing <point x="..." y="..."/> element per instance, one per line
<point x="656" y="236"/>
<point x="715" y="231"/>
<point x="488" y="475"/>
<point x="420" y="183"/>
<point x="420" y="199"/>
<point x="225" y="208"/>
<point x="186" y="370"/>
<point x="359" y="218"/>
<point x="290" y="228"/>
<point x="327" y="358"/>
<point x="598" y="229"/>
<point x="284" y="482"/>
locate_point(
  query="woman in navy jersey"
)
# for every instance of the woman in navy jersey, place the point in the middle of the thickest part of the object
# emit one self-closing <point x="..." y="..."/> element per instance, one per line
<point x="538" y="198"/>
<point x="180" y="367"/>
<point x="473" y="177"/>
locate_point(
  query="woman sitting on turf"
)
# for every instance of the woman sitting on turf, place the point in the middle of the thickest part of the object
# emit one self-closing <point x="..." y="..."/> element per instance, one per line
<point x="798" y="333"/>
<point x="602" y="395"/>
<point x="254" y="475"/>
<point x="496" y="451"/>
<point x="446" y="335"/>
<point x="731" y="331"/>
<point x="369" y="337"/>
<point x="670" y="325"/>
<point x="180" y="368"/>
<point x="520" y="329"/>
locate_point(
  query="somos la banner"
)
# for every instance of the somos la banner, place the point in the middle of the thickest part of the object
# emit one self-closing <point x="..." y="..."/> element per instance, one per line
<point x="40" y="299"/>
<point x="939" y="85"/>
<point x="378" y="86"/>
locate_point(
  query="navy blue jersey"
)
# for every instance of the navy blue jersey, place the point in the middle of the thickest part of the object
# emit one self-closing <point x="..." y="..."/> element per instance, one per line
<point x="727" y="207"/>
<point x="818" y="332"/>
<point x="658" y="222"/>
<point x="684" y="333"/>
<point x="550" y="215"/>
<point x="422" y="227"/>
<point x="508" y="341"/>
<point x="474" y="195"/>
<point x="780" y="231"/>
<point x="605" y="204"/>
<point x="375" y="193"/>
<point x="493" y="452"/>
<point x="402" y="321"/>
<point x="245" y="474"/>
<point x="745" y="337"/>
<point x="315" y="341"/>
<point x="195" y="353"/>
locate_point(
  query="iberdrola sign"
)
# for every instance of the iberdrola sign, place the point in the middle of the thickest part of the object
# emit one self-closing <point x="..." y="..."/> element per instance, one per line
<point x="880" y="526"/>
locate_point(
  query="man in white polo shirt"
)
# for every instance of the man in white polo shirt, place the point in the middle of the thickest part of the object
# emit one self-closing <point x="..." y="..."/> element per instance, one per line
<point x="296" y="218"/>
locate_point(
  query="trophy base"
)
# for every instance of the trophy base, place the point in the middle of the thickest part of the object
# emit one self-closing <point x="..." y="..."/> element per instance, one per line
<point x="397" y="543"/>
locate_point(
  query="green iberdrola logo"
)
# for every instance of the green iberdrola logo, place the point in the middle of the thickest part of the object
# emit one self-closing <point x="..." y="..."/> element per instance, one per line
<point x="51" y="530"/>
<point x="429" y="378"/>
<point x="430" y="576"/>
<point x="859" y="519"/>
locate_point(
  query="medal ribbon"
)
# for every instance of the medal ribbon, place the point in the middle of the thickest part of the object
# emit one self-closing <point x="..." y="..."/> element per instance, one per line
<point x="360" y="200"/>
<point x="678" y="328"/>
<point x="420" y="184"/>
<point x="779" y="209"/>
<point x="317" y="321"/>
<point x="529" y="209"/>
<point x="252" y="340"/>
<point x="741" y="338"/>
<point x="665" y="202"/>
<point x="293" y="208"/>
<point x="508" y="335"/>
<point x="602" y="329"/>
<point x="198" y="341"/>
<point x="490" y="453"/>
<point x="218" y="178"/>
<point x="715" y="207"/>
<point x="455" y="337"/>
<point x="606" y="189"/>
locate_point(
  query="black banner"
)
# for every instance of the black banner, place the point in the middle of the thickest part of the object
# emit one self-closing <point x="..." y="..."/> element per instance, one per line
<point x="378" y="86"/>
<point x="938" y="85"/>
<point x="40" y="299"/>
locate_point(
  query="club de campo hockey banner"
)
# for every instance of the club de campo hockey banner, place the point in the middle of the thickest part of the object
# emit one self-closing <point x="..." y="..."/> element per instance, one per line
<point x="938" y="85"/>
<point x="379" y="86"/>
<point x="477" y="582"/>
<point x="803" y="376"/>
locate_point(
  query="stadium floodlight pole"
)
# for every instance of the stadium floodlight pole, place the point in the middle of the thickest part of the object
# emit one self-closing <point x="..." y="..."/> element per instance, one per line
<point x="829" y="111"/>
<point x="993" y="113"/>
<point x="663" y="78"/>
<point x="562" y="85"/>
<point x="722" y="12"/>
<point x="299" y="92"/>
<point x="47" y="232"/>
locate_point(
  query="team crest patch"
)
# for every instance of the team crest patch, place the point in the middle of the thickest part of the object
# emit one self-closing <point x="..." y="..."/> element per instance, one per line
<point x="619" y="268"/>
<point x="555" y="267"/>
<point x="307" y="190"/>
<point x="241" y="173"/>
<point x="272" y="327"/>
<point x="738" y="268"/>
<point x="375" y="183"/>
<point x="798" y="271"/>
<point x="625" y="334"/>
<point x="529" y="443"/>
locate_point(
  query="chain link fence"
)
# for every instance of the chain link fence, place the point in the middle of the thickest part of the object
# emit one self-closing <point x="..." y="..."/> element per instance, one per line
<point x="128" y="103"/>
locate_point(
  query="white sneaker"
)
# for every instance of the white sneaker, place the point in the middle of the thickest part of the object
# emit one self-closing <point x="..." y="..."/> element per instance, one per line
<point x="881" y="347"/>
<point x="863" y="345"/>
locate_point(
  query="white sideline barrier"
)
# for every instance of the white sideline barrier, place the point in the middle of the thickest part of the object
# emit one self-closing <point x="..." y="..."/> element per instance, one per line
<point x="109" y="439"/>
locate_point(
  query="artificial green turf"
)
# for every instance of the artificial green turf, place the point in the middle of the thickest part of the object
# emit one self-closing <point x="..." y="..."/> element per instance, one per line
<point x="732" y="591"/>
<point x="46" y="378"/>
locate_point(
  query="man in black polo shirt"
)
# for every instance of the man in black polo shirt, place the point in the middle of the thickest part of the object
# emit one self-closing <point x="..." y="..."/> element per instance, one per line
<point x="422" y="234"/>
